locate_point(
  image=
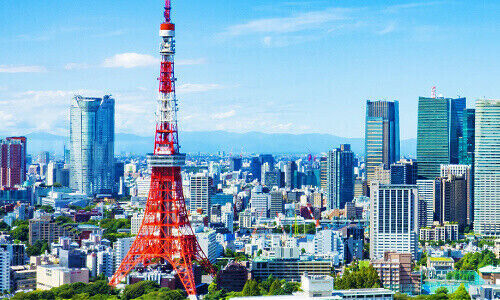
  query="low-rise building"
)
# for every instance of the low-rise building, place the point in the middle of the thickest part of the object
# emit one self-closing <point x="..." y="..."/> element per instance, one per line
<point x="316" y="285"/>
<point x="51" y="276"/>
<point x="396" y="274"/>
<point x="45" y="228"/>
<point x="447" y="232"/>
<point x="23" y="278"/>
<point x="289" y="269"/>
<point x="439" y="266"/>
<point x="233" y="277"/>
<point x="490" y="274"/>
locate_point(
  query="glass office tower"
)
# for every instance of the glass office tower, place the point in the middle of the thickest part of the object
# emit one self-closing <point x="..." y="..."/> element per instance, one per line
<point x="92" y="134"/>
<point x="381" y="135"/>
<point x="487" y="168"/>
<point x="438" y="132"/>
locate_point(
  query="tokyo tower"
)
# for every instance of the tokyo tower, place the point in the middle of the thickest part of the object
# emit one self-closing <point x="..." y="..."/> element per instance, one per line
<point x="165" y="235"/>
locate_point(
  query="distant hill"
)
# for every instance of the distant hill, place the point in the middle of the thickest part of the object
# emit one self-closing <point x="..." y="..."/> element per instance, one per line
<point x="213" y="141"/>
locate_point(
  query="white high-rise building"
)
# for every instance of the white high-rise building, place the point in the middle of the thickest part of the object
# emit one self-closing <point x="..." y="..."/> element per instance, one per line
<point x="260" y="202"/>
<point x="121" y="248"/>
<point x="487" y="168"/>
<point x="228" y="216"/>
<point x="329" y="243"/>
<point x="106" y="262"/>
<point x="143" y="184"/>
<point x="208" y="243"/>
<point x="428" y="196"/>
<point x="135" y="223"/>
<point x="393" y="219"/>
<point x="4" y="270"/>
<point x="200" y="189"/>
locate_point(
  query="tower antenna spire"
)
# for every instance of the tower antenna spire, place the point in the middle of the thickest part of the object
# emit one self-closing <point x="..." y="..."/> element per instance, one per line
<point x="165" y="236"/>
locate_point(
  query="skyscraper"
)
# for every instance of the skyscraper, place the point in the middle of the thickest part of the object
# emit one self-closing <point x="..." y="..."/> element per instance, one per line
<point x="467" y="140"/>
<point x="201" y="192"/>
<point x="92" y="135"/>
<point x="255" y="168"/>
<point x="487" y="168"/>
<point x="290" y="169"/>
<point x="339" y="176"/>
<point x="235" y="164"/>
<point x="429" y="197"/>
<point x="12" y="161"/>
<point x="438" y="131"/>
<point x="393" y="219"/>
<point x="381" y="135"/>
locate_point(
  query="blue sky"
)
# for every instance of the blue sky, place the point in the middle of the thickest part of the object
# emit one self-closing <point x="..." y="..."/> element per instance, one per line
<point x="270" y="66"/>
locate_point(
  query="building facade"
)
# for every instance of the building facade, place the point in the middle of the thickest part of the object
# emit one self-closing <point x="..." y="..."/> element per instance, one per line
<point x="438" y="131"/>
<point x="487" y="168"/>
<point x="339" y="177"/>
<point x="92" y="135"/>
<point x="12" y="161"/>
<point x="467" y="140"/>
<point x="381" y="135"/>
<point x="201" y="192"/>
<point x="393" y="219"/>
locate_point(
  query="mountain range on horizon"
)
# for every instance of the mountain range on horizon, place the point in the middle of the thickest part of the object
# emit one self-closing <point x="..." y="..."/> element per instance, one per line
<point x="214" y="141"/>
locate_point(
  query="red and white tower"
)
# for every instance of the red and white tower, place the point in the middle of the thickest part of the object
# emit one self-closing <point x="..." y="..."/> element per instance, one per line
<point x="165" y="235"/>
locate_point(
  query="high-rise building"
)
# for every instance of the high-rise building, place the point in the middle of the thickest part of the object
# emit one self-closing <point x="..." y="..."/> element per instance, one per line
<point x="4" y="271"/>
<point x="92" y="137"/>
<point x="429" y="198"/>
<point x="228" y="216"/>
<point x="276" y="203"/>
<point x="453" y="200"/>
<point x="121" y="247"/>
<point x="438" y="132"/>
<point x="201" y="192"/>
<point x="404" y="172"/>
<point x="381" y="135"/>
<point x="44" y="157"/>
<point x="12" y="161"/>
<point x="487" y="168"/>
<point x="260" y="201"/>
<point x="393" y="219"/>
<point x="465" y="172"/>
<point x="255" y="168"/>
<point x="235" y="164"/>
<point x="290" y="169"/>
<point x="267" y="158"/>
<point x="339" y="176"/>
<point x="467" y="140"/>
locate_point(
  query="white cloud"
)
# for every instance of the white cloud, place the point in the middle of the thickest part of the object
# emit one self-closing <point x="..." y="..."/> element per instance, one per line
<point x="130" y="60"/>
<point x="391" y="27"/>
<point x="223" y="115"/>
<point x="296" y="23"/>
<point x="76" y="66"/>
<point x="188" y="88"/>
<point x="22" y="69"/>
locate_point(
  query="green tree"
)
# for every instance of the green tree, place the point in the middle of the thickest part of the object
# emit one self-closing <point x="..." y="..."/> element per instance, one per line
<point x="20" y="233"/>
<point x="4" y="226"/>
<point x="460" y="294"/>
<point x="291" y="287"/>
<point x="251" y="288"/>
<point x="355" y="277"/>
<point x="37" y="248"/>
<point x="138" y="289"/>
<point x="276" y="288"/>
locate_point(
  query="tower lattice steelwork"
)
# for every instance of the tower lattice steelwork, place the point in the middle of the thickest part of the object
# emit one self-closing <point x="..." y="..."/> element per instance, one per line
<point x="165" y="235"/>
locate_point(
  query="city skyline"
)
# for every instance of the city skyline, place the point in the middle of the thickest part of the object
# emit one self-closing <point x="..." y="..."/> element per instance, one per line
<point x="217" y="69"/>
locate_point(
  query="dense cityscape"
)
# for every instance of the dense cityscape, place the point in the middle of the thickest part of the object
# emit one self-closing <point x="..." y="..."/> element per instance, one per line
<point x="86" y="222"/>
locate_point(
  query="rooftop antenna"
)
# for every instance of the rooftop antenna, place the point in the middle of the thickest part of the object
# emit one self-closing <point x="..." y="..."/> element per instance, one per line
<point x="433" y="92"/>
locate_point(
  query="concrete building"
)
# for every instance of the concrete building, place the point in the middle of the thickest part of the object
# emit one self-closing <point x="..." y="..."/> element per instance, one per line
<point x="228" y="216"/>
<point x="444" y="233"/>
<point x="233" y="277"/>
<point x="487" y="168"/>
<point x="52" y="276"/>
<point x="276" y="203"/>
<point x="92" y="135"/>
<point x="439" y="266"/>
<point x="12" y="161"/>
<point x="316" y="286"/>
<point x="4" y="271"/>
<point x="381" y="135"/>
<point x="63" y="200"/>
<point x="235" y="164"/>
<point x="396" y="274"/>
<point x="429" y="195"/>
<point x="454" y="202"/>
<point x="121" y="248"/>
<point x="329" y="243"/>
<point x="23" y="277"/>
<point x="438" y="131"/>
<point x="260" y="202"/>
<point x="404" y="172"/>
<point x="393" y="219"/>
<point x="289" y="269"/>
<point x="466" y="172"/>
<point x="201" y="192"/>
<point x="339" y="177"/>
<point x="45" y="228"/>
<point x="106" y="262"/>
<point x="143" y="184"/>
<point x="135" y="223"/>
<point x="209" y="245"/>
